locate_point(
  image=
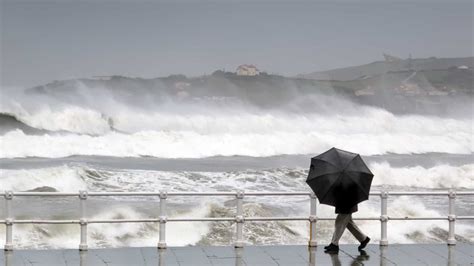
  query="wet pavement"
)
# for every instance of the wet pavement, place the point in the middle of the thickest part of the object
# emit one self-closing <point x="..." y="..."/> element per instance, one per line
<point x="395" y="254"/>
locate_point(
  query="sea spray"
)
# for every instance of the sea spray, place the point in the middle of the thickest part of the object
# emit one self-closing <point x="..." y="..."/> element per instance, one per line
<point x="222" y="233"/>
<point x="71" y="178"/>
<point x="121" y="123"/>
<point x="205" y="127"/>
<point x="189" y="144"/>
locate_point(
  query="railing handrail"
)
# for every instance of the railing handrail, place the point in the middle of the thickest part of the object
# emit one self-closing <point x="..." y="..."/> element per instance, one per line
<point x="239" y="218"/>
<point x="227" y="219"/>
<point x="218" y="193"/>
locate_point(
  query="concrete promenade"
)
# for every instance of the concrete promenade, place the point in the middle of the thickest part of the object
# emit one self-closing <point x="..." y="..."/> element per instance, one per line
<point x="394" y="254"/>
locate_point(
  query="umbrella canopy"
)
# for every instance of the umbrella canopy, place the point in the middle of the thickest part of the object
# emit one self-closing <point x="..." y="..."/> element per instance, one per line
<point x="339" y="178"/>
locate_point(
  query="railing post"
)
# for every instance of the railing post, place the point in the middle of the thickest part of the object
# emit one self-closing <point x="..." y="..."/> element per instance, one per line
<point x="239" y="220"/>
<point x="383" y="218"/>
<point x="452" y="217"/>
<point x="383" y="255"/>
<point x="8" y="221"/>
<point x="161" y="256"/>
<point x="238" y="257"/>
<point x="312" y="256"/>
<point x="312" y="221"/>
<point x="451" y="256"/>
<point x="8" y="257"/>
<point x="82" y="258"/>
<point x="83" y="220"/>
<point x="163" y="220"/>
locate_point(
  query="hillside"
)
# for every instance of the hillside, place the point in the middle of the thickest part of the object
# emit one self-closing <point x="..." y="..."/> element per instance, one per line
<point x="402" y="91"/>
<point x="381" y="67"/>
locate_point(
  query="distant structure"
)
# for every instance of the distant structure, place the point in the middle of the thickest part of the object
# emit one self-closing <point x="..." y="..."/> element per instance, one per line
<point x="391" y="58"/>
<point x="247" y="70"/>
<point x="182" y="89"/>
<point x="369" y="91"/>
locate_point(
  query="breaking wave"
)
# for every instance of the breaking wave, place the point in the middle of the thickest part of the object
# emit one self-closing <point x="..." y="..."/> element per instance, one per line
<point x="222" y="233"/>
<point x="74" y="177"/>
<point x="81" y="120"/>
<point x="197" y="136"/>
<point x="9" y="122"/>
<point x="93" y="121"/>
<point x="71" y="178"/>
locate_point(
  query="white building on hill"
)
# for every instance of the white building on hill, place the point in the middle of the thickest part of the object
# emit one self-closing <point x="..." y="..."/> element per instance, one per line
<point x="247" y="70"/>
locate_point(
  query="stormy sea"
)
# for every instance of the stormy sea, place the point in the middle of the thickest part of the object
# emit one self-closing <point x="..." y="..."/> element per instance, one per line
<point x="81" y="135"/>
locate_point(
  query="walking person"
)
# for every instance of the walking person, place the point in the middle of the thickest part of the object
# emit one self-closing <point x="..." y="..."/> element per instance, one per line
<point x="343" y="221"/>
<point x="341" y="179"/>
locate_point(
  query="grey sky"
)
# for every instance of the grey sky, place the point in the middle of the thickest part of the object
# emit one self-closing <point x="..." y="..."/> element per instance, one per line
<point x="43" y="41"/>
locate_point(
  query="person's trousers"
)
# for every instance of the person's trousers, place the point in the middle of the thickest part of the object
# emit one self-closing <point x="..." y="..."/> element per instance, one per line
<point x="343" y="221"/>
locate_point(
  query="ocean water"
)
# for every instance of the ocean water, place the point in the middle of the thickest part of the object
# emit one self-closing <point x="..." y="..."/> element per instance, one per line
<point x="98" y="139"/>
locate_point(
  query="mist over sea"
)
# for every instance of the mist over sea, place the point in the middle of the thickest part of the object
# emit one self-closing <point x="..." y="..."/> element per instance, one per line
<point x="97" y="138"/>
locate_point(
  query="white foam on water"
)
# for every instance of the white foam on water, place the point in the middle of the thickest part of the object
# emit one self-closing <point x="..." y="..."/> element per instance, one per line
<point x="62" y="178"/>
<point x="111" y="235"/>
<point x="71" y="178"/>
<point x="188" y="144"/>
<point x="75" y="177"/>
<point x="206" y="128"/>
<point x="138" y="234"/>
<point x="72" y="118"/>
<point x="99" y="121"/>
<point x="189" y="233"/>
<point x="402" y="232"/>
<point x="47" y="112"/>
<point x="440" y="176"/>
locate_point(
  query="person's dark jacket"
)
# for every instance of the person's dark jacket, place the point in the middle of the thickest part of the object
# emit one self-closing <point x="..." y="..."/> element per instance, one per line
<point x="346" y="210"/>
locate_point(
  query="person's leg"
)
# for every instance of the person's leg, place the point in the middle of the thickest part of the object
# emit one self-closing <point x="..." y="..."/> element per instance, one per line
<point x="354" y="229"/>
<point x="335" y="261"/>
<point x="339" y="227"/>
<point x="363" y="239"/>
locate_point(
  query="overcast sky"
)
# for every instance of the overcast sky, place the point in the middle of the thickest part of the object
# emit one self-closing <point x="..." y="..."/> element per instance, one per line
<point x="43" y="40"/>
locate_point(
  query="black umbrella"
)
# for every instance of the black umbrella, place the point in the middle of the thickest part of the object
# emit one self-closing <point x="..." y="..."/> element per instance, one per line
<point x="339" y="178"/>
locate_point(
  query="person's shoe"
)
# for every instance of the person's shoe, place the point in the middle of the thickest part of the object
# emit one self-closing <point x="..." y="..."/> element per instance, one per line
<point x="326" y="247"/>
<point x="332" y="249"/>
<point x="363" y="254"/>
<point x="364" y="243"/>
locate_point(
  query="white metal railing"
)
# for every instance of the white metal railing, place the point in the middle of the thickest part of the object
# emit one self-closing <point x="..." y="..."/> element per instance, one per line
<point x="239" y="218"/>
